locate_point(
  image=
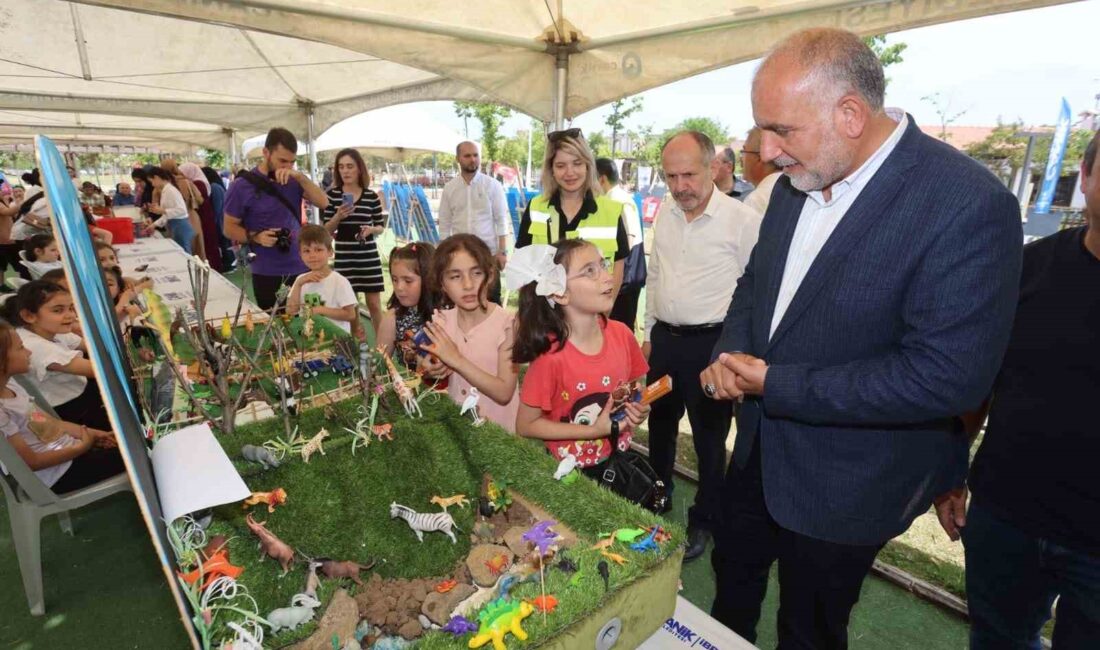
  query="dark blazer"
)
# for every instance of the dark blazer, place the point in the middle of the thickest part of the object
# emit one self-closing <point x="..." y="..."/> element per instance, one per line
<point x="899" y="325"/>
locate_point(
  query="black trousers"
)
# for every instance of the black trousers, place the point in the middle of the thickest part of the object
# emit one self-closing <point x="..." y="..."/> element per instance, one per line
<point x="819" y="581"/>
<point x="90" y="468"/>
<point x="264" y="287"/>
<point x="86" y="408"/>
<point x="682" y="358"/>
<point x="626" y="306"/>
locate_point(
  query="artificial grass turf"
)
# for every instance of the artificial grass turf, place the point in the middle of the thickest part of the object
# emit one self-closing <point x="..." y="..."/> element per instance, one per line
<point x="338" y="507"/>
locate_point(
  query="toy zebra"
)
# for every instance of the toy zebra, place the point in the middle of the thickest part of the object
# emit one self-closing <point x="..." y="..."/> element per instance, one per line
<point x="424" y="522"/>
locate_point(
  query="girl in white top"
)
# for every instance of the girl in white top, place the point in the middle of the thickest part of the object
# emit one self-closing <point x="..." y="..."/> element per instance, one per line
<point x="172" y="210"/>
<point x="65" y="456"/>
<point x="44" y="312"/>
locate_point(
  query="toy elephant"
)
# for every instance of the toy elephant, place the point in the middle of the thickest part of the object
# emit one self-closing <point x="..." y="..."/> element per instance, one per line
<point x="300" y="612"/>
<point x="259" y="455"/>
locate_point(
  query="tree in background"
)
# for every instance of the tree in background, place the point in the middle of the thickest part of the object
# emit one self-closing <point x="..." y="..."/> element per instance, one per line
<point x="1003" y="150"/>
<point x="714" y="129"/>
<point x="621" y="110"/>
<point x="215" y="158"/>
<point x="943" y="110"/>
<point x="888" y="55"/>
<point x="599" y="145"/>
<point x="491" y="117"/>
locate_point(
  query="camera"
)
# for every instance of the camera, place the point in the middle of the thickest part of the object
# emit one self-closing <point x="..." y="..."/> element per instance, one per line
<point x="282" y="239"/>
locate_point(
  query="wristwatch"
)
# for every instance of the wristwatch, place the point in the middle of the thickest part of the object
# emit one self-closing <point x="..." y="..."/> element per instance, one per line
<point x="615" y="429"/>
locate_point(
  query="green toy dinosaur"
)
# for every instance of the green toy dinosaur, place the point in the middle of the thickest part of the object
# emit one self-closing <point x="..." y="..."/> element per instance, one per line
<point x="497" y="619"/>
<point x="161" y="318"/>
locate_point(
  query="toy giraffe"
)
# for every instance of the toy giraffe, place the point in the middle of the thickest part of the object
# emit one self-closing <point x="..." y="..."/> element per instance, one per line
<point x="404" y="393"/>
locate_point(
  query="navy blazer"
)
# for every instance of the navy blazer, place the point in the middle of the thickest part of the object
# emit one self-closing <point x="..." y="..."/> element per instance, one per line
<point x="898" y="327"/>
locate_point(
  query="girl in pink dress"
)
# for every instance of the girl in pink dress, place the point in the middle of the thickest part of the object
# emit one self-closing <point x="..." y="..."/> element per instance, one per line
<point x="472" y="340"/>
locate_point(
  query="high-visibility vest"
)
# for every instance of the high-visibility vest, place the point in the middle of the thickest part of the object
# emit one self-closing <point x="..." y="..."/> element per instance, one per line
<point x="600" y="228"/>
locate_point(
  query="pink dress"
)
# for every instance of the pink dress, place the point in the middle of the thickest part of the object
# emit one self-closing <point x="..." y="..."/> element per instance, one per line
<point x="481" y="345"/>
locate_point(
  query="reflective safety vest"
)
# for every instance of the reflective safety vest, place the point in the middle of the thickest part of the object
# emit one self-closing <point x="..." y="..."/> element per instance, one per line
<point x="599" y="228"/>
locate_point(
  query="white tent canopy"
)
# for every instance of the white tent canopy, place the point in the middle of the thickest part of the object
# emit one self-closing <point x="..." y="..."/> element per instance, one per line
<point x="247" y="65"/>
<point x="178" y="134"/>
<point x="391" y="132"/>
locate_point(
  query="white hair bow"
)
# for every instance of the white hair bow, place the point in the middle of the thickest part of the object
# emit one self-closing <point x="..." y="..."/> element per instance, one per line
<point x="535" y="263"/>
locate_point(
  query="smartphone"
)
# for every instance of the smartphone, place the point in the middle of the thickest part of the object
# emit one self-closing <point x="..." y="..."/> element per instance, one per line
<point x="349" y="198"/>
<point x="421" y="338"/>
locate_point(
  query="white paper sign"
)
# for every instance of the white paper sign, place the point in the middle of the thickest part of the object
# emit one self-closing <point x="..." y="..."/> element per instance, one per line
<point x="193" y="473"/>
<point x="691" y="627"/>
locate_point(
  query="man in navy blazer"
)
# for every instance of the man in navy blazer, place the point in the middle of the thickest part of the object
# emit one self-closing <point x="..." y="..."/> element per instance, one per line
<point x="876" y="308"/>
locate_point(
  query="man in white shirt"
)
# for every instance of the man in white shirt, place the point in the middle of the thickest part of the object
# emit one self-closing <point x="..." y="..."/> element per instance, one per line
<point x="702" y="241"/>
<point x="761" y="173"/>
<point x="474" y="203"/>
<point x="634" y="271"/>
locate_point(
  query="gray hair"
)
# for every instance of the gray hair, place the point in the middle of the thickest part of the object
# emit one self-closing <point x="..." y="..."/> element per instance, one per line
<point x="838" y="58"/>
<point x="706" y="146"/>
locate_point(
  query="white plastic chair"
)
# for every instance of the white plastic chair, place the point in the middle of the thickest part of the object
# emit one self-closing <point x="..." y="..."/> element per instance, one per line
<point x="29" y="501"/>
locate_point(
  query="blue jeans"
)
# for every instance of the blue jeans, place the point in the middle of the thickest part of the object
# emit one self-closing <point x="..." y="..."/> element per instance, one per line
<point x="1012" y="579"/>
<point x="182" y="232"/>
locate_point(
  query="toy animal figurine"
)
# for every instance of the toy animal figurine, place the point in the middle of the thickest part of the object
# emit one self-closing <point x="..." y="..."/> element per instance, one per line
<point x="545" y="604"/>
<point x="347" y="569"/>
<point x="227" y="328"/>
<point x="604" y="544"/>
<point x="614" y="557"/>
<point x="313" y="581"/>
<point x="567" y="465"/>
<point x="160" y="318"/>
<point x="497" y="563"/>
<point x="647" y="544"/>
<point x="300" y="611"/>
<point x="499" y="618"/>
<point x="446" y="586"/>
<point x="259" y="455"/>
<point x="216" y="544"/>
<point x="459" y="625"/>
<point x="565" y="565"/>
<point x="424" y="522"/>
<point x="459" y="499"/>
<point x="315" y="444"/>
<point x="249" y="323"/>
<point x="469" y="405"/>
<point x="662" y="534"/>
<point x="541" y="537"/>
<point x="605" y="573"/>
<point x="276" y="497"/>
<point x="271" y="545"/>
<point x="383" y="431"/>
<point x="404" y="393"/>
<point x="213" y="568"/>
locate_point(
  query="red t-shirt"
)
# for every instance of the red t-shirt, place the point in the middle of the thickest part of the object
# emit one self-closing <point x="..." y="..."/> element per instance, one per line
<point x="571" y="386"/>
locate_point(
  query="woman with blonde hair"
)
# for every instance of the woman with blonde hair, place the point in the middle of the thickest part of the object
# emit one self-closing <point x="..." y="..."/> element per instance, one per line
<point x="572" y="204"/>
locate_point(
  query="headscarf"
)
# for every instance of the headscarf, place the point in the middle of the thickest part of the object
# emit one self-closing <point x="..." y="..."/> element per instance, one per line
<point x="213" y="177"/>
<point x="194" y="174"/>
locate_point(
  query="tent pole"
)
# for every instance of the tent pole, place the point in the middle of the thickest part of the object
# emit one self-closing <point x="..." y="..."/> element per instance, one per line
<point x="561" y="83"/>
<point x="314" y="214"/>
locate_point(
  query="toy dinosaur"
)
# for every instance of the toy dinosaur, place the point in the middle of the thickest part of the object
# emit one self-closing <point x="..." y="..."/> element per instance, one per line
<point x="276" y="497"/>
<point x="459" y="625"/>
<point x="662" y="534"/>
<point x="259" y="455"/>
<point x="213" y="568"/>
<point x="497" y="563"/>
<point x="271" y="545"/>
<point x="545" y="604"/>
<point x="446" y="586"/>
<point x="565" y="565"/>
<point x="615" y="557"/>
<point x="497" y="619"/>
<point x="604" y="544"/>
<point x="315" y="444"/>
<point x="459" y="499"/>
<point x="647" y="544"/>
<point x="541" y="537"/>
<point x="628" y="535"/>
<point x="347" y="569"/>
<point x="605" y="573"/>
<point x="160" y="318"/>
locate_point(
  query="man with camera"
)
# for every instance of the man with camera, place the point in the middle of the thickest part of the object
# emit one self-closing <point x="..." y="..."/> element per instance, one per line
<point x="263" y="208"/>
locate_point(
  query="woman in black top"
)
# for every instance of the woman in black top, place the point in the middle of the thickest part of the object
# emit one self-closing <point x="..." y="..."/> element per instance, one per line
<point x="354" y="226"/>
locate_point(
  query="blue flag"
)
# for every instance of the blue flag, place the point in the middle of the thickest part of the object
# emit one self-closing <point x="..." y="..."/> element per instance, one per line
<point x="1054" y="161"/>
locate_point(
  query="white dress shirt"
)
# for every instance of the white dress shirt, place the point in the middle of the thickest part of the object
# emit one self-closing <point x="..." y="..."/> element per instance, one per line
<point x="477" y="207"/>
<point x="694" y="266"/>
<point x="759" y="198"/>
<point x="819" y="218"/>
<point x="631" y="221"/>
<point x="171" y="200"/>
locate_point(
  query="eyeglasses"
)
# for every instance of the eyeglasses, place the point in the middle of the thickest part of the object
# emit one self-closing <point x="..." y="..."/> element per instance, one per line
<point x="593" y="270"/>
<point x="558" y="136"/>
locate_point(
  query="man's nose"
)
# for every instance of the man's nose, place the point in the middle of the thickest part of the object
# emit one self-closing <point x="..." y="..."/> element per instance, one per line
<point x="770" y="146"/>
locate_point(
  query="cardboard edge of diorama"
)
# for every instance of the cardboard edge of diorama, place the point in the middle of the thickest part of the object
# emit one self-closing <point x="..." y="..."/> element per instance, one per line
<point x="110" y="366"/>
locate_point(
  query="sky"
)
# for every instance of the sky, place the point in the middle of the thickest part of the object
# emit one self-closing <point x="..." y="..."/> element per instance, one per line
<point x="1009" y="66"/>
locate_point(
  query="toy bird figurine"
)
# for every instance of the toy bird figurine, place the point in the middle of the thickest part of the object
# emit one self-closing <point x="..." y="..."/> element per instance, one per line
<point x="469" y="405"/>
<point x="567" y="465"/>
<point x="227" y="328"/>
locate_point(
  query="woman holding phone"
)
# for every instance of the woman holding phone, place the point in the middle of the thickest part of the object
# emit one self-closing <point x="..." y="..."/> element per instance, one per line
<point x="354" y="217"/>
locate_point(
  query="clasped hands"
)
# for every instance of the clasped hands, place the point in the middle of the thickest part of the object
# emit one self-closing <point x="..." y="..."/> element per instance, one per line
<point x="733" y="376"/>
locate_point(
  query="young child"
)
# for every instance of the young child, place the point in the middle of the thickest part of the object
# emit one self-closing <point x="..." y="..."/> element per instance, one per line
<point x="411" y="304"/>
<point x="578" y="356"/>
<point x="44" y="312"/>
<point x="108" y="258"/>
<point x="40" y="255"/>
<point x="473" y="339"/>
<point x="65" y="456"/>
<point x="122" y="296"/>
<point x="338" y="301"/>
